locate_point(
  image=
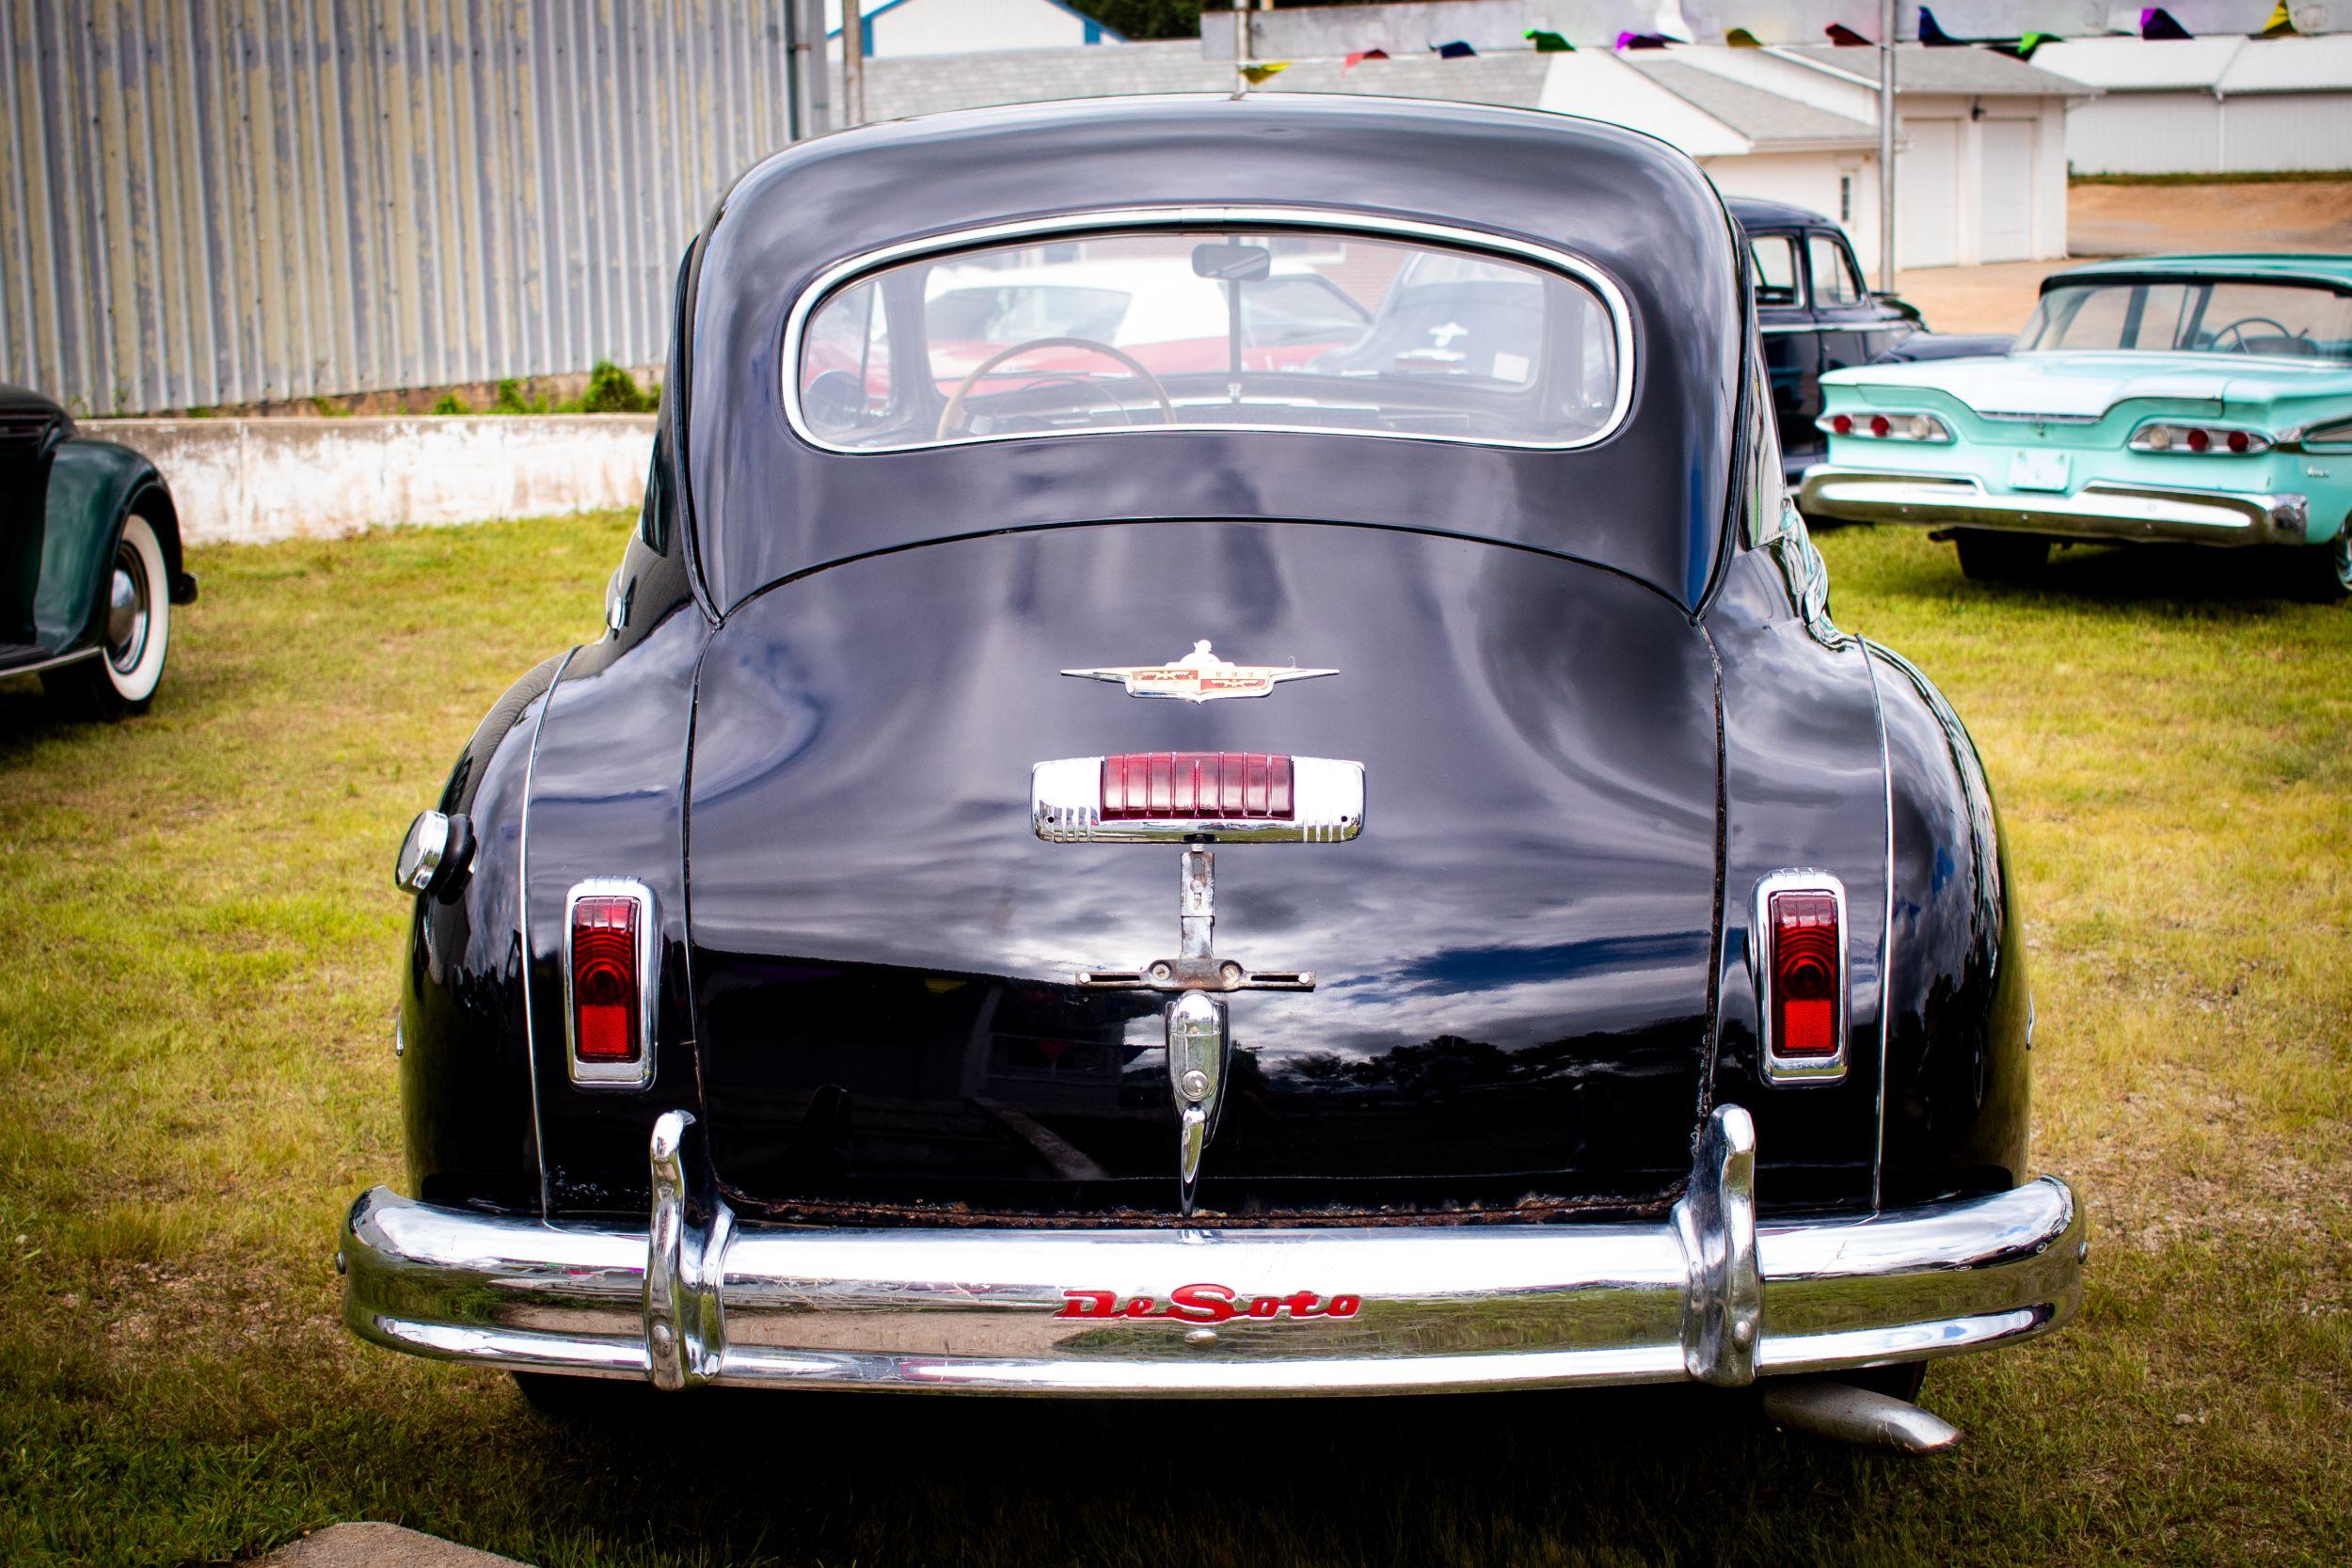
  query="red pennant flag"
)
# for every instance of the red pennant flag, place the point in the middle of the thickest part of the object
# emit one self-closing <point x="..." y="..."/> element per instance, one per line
<point x="1845" y="36"/>
<point x="1360" y="56"/>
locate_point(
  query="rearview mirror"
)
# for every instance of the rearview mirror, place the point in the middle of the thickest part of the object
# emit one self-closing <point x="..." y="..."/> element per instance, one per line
<point x="1231" y="263"/>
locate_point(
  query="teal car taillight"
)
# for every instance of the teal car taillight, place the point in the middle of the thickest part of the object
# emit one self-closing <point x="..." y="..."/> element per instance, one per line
<point x="1885" y="426"/>
<point x="2198" y="439"/>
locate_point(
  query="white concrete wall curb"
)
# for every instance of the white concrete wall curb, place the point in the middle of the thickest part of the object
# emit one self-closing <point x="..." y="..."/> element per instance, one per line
<point x="249" y="481"/>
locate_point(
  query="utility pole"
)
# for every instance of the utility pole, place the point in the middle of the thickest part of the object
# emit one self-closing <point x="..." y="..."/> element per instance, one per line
<point x="1886" y="146"/>
<point x="804" y="48"/>
<point x="1241" y="47"/>
<point x="852" y="65"/>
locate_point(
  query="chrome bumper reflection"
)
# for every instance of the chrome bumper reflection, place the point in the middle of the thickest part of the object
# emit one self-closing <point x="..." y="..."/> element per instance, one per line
<point x="2100" y="510"/>
<point x="1707" y="1293"/>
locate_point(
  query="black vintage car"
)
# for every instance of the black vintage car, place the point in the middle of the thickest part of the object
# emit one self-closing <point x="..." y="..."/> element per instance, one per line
<point x="1171" y="866"/>
<point x="89" y="562"/>
<point x="1815" y="314"/>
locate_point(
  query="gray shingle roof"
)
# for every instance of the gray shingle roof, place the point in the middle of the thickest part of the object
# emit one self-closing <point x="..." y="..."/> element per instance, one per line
<point x="927" y="83"/>
<point x="1919" y="68"/>
<point x="1764" y="117"/>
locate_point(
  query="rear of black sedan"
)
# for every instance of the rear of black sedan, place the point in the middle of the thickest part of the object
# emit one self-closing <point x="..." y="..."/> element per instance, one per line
<point x="1223" y="772"/>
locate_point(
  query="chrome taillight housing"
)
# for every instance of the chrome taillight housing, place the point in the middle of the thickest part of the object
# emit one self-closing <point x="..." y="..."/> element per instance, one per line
<point x="1798" y="950"/>
<point x="2198" y="440"/>
<point x="609" y="982"/>
<point x="1888" y="426"/>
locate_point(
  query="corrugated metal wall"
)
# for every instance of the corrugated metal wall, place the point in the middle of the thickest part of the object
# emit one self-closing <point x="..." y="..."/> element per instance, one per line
<point x="228" y="201"/>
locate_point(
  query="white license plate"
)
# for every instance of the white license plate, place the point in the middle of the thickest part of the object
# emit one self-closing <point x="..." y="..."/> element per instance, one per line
<point x="2038" y="470"/>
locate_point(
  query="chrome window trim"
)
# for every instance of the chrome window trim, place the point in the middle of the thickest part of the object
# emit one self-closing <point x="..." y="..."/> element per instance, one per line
<point x="1120" y="219"/>
<point x="615" y="1075"/>
<point x="1775" y="1068"/>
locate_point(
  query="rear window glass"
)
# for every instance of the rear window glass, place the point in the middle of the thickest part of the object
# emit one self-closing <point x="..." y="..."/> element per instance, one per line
<point x="2289" y="320"/>
<point x="1210" y="328"/>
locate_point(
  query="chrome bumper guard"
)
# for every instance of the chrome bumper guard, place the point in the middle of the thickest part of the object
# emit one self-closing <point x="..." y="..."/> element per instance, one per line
<point x="2100" y="510"/>
<point x="1709" y="1295"/>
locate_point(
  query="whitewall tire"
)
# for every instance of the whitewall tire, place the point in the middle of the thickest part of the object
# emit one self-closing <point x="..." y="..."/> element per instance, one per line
<point x="134" y="629"/>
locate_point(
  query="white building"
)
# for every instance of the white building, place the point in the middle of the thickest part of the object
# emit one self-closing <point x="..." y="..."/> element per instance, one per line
<point x="1981" y="136"/>
<point x="2208" y="106"/>
<point x="896" y="28"/>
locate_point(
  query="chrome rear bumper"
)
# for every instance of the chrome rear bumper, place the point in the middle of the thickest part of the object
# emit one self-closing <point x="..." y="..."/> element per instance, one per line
<point x="1708" y="1293"/>
<point x="2100" y="510"/>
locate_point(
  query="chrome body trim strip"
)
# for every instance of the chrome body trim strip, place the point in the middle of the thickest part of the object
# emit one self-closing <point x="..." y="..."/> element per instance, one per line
<point x="616" y="1075"/>
<point x="1886" y="936"/>
<point x="37" y="666"/>
<point x="2100" y="510"/>
<point x="1117" y="219"/>
<point x="1429" y="1307"/>
<point x="1796" y="1069"/>
<point x="522" y="924"/>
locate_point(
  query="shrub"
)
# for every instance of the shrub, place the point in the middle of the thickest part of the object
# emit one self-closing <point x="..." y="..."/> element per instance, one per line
<point x="452" y="403"/>
<point x="509" y="399"/>
<point x="613" y="390"/>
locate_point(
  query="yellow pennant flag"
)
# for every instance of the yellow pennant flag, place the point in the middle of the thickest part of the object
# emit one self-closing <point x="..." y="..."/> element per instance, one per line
<point x="2280" y="24"/>
<point x="1264" y="71"/>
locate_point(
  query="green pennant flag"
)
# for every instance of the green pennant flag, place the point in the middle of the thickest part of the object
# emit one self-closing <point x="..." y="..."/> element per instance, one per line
<point x="2279" y="25"/>
<point x="1740" y="37"/>
<point x="2032" y="41"/>
<point x="1548" y="43"/>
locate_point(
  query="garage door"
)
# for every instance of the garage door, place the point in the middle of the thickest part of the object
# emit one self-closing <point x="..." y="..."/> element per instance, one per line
<point x="1926" y="190"/>
<point x="2005" y="213"/>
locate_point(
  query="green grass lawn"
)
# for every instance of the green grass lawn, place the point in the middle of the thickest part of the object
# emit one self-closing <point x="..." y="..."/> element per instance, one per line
<point x="196" y="1075"/>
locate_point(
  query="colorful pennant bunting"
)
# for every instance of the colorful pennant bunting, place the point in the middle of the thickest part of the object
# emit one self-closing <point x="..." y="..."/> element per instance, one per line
<point x="2279" y="25"/>
<point x="1932" y="34"/>
<point x="1740" y="37"/>
<point x="1359" y="57"/>
<point x="1548" y="43"/>
<point x="1458" y="49"/>
<point x="1264" y="71"/>
<point x="1642" y="40"/>
<point x="2023" y="49"/>
<point x="1845" y="36"/>
<point x="2157" y="26"/>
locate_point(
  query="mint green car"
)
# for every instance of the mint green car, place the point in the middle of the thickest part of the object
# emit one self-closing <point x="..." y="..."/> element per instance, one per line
<point x="2198" y="398"/>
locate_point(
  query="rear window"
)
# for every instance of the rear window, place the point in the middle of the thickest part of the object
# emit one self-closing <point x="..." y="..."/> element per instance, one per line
<point x="2195" y="315"/>
<point x="1291" y="327"/>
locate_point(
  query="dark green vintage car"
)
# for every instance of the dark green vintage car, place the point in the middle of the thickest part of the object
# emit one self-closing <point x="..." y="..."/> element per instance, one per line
<point x="89" y="560"/>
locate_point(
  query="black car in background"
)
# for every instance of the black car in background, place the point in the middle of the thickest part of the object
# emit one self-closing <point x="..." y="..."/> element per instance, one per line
<point x="1815" y="314"/>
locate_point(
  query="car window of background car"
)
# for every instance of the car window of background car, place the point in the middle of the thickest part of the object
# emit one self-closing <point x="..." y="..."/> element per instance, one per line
<point x="1776" y="269"/>
<point x="1834" y="281"/>
<point x="1339" y="331"/>
<point x="2220" y="316"/>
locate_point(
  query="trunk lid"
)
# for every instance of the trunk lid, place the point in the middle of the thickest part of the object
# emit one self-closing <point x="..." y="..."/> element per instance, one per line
<point x="1514" y="957"/>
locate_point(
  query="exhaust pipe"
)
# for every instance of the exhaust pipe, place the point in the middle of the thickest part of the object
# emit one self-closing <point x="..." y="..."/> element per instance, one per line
<point x="1828" y="1408"/>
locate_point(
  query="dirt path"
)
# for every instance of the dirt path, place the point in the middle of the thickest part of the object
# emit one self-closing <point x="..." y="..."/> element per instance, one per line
<point x="2139" y="220"/>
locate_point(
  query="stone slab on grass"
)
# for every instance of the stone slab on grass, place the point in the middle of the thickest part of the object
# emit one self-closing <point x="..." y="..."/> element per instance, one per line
<point x="379" y="1546"/>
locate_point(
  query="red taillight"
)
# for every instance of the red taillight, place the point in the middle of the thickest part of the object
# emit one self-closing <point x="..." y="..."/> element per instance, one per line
<point x="2239" y="440"/>
<point x="1841" y="424"/>
<point x="1145" y="785"/>
<point x="1806" y="943"/>
<point x="2198" y="440"/>
<point x="607" y="1005"/>
<point x="1880" y="425"/>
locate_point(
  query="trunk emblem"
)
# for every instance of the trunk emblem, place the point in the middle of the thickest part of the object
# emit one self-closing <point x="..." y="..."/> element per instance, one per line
<point x="1199" y="676"/>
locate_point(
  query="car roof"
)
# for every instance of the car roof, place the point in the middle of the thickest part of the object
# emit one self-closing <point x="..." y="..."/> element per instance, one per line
<point x="2334" y="270"/>
<point x="1755" y="212"/>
